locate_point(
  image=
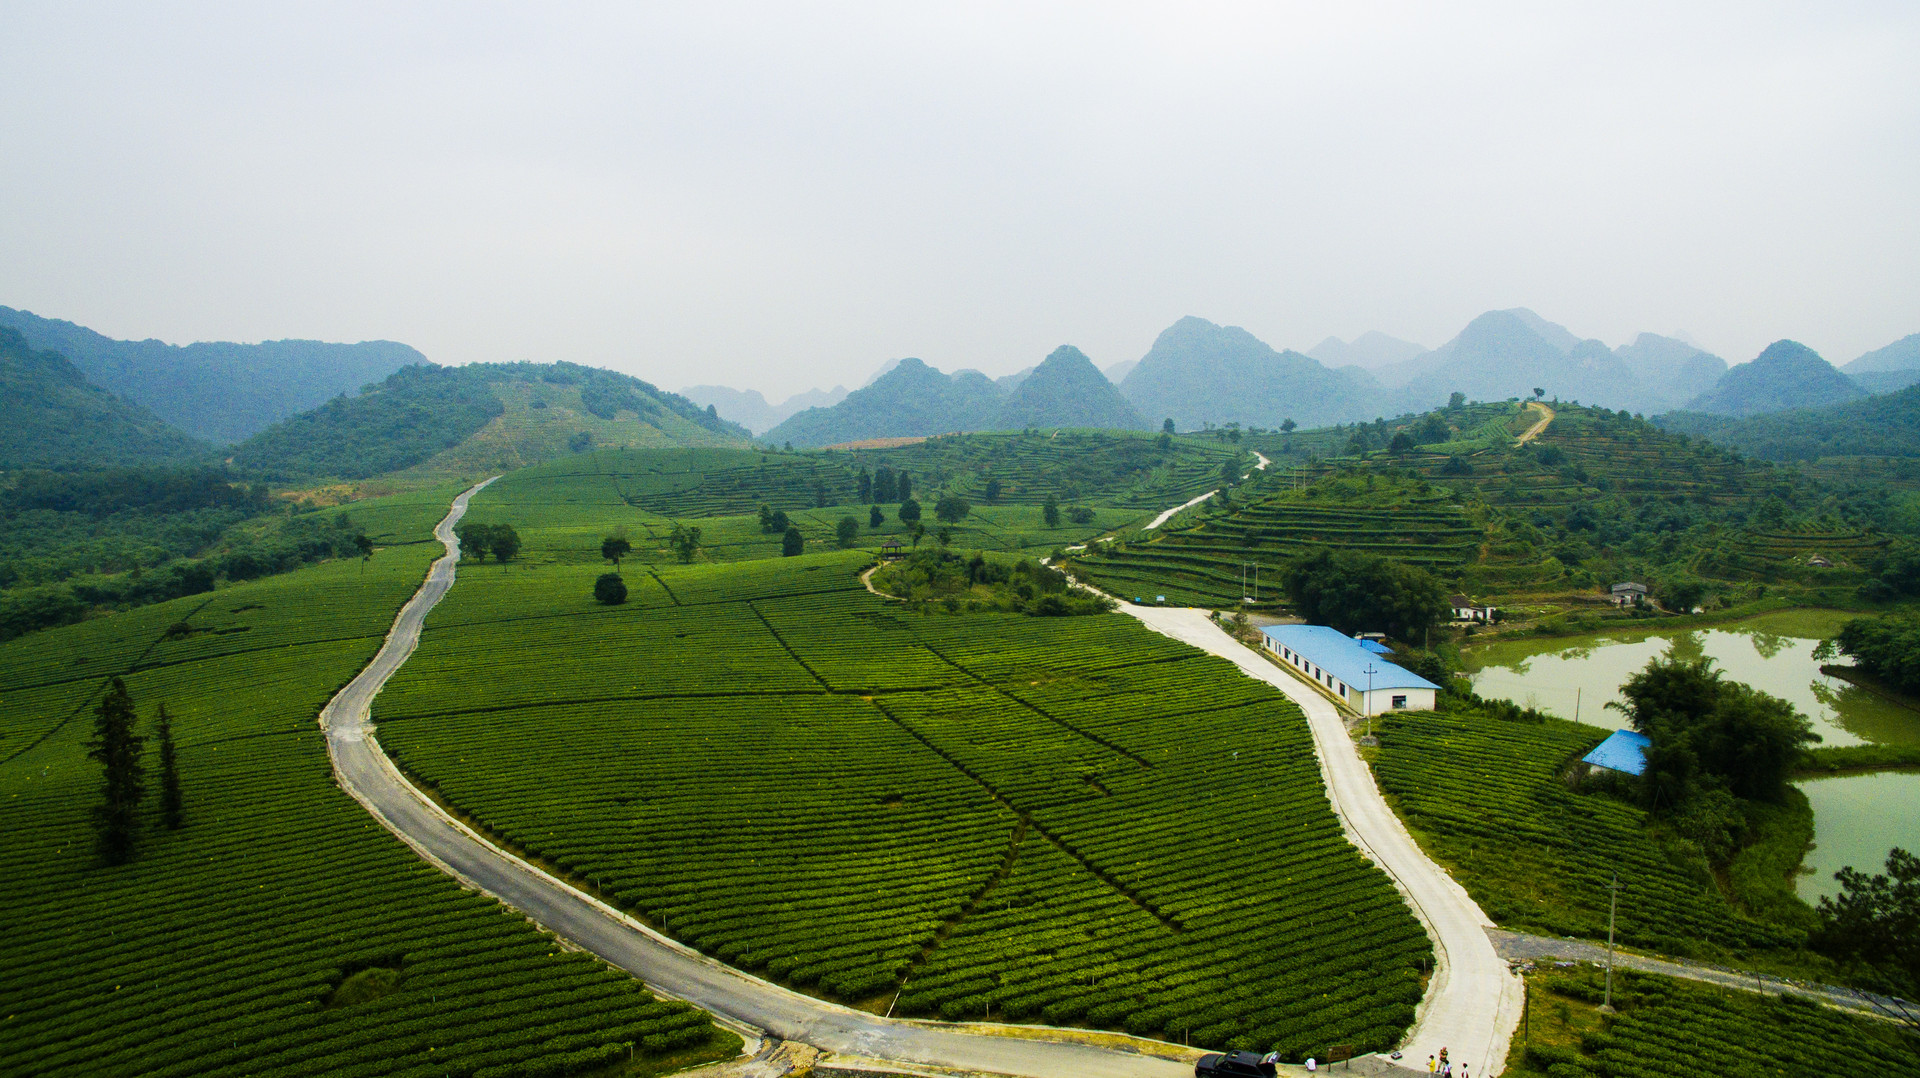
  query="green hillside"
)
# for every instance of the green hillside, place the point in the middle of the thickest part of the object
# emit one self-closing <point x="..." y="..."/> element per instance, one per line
<point x="50" y="415"/>
<point x="456" y="422"/>
<point x="220" y="391"/>
<point x="1598" y="497"/>
<point x="1067" y="390"/>
<point x="1884" y="426"/>
<point x="911" y="400"/>
<point x="1786" y="375"/>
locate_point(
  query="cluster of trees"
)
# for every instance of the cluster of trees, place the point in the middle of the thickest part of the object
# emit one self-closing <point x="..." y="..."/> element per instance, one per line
<point x="243" y="552"/>
<point x="1050" y="511"/>
<point x="479" y="540"/>
<point x="977" y="582"/>
<point x="120" y="750"/>
<point x="1356" y="592"/>
<point x="883" y="485"/>
<point x="1888" y="648"/>
<point x="1874" y="926"/>
<point x="1715" y="744"/>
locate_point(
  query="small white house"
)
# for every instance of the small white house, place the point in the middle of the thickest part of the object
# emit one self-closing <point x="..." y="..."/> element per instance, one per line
<point x="1344" y="669"/>
<point x="1465" y="609"/>
<point x="1629" y="593"/>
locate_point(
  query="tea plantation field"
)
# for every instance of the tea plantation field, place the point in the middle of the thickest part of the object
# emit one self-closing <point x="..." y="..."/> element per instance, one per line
<point x="1484" y="795"/>
<point x="281" y="931"/>
<point x="1061" y="820"/>
<point x="1666" y="1027"/>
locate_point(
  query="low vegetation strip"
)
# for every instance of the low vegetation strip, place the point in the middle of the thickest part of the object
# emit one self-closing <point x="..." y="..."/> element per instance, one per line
<point x="1066" y="820"/>
<point x="278" y="931"/>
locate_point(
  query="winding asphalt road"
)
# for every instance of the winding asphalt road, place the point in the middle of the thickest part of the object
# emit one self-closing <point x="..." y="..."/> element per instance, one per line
<point x="668" y="967"/>
<point x="1473" y="1000"/>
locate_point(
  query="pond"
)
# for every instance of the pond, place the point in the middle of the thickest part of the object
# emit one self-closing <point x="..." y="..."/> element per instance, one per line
<point x="1857" y="818"/>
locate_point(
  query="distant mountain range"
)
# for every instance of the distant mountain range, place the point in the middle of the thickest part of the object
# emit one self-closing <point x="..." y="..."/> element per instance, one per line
<point x="752" y="411"/>
<point x="1882" y="426"/>
<point x="1369" y="350"/>
<point x="1198" y="373"/>
<point x="1884" y="370"/>
<point x="219" y="392"/>
<point x="912" y="399"/>
<point x="50" y="415"/>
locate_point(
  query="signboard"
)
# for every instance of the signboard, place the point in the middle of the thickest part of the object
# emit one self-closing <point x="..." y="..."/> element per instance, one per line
<point x="1339" y="1052"/>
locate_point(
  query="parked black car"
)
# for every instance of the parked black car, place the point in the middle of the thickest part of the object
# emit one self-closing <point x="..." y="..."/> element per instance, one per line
<point x="1234" y="1065"/>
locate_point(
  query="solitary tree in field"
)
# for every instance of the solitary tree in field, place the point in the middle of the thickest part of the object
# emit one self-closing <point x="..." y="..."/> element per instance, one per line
<point x="909" y="511"/>
<point x="1167" y="426"/>
<point x="863" y="485"/>
<point x="473" y="541"/>
<point x="1401" y="445"/>
<point x="993" y="490"/>
<point x="1538" y="392"/>
<point x="875" y="517"/>
<point x="951" y="508"/>
<point x="792" y="542"/>
<point x="1288" y="426"/>
<point x="1051" y="511"/>
<point x="169" y="774"/>
<point x="685" y="541"/>
<point x="610" y="589"/>
<point x="615" y="547"/>
<point x="117" y="749"/>
<point x="503" y="541"/>
<point x="917" y="532"/>
<point x="903" y="485"/>
<point x="884" y="487"/>
<point x="365" y="546"/>
<point x="1456" y="401"/>
<point x="847" y="532"/>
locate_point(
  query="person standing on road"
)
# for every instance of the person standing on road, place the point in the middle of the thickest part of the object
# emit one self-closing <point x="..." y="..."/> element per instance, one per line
<point x="1432" y="1067"/>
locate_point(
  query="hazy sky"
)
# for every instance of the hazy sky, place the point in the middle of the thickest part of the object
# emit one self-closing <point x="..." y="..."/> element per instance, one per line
<point x="784" y="195"/>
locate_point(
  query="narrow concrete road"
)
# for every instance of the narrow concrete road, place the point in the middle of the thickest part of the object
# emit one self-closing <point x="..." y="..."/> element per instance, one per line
<point x="1169" y="514"/>
<point x="1546" y="417"/>
<point x="666" y="966"/>
<point x="1473" y="1001"/>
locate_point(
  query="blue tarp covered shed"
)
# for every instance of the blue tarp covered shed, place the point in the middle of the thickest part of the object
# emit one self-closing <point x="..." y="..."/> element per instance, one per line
<point x="1623" y="750"/>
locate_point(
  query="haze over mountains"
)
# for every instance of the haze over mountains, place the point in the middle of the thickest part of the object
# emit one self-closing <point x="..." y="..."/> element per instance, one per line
<point x="753" y="411"/>
<point x="217" y="391"/>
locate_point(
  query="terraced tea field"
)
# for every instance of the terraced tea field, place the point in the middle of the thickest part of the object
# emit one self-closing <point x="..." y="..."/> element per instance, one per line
<point x="1201" y="565"/>
<point x="1484" y="796"/>
<point x="1064" y="820"/>
<point x="1104" y="467"/>
<point x="280" y="931"/>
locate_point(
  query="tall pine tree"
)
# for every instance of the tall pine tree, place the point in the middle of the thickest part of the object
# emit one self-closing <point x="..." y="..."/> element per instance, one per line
<point x="117" y="748"/>
<point x="169" y="777"/>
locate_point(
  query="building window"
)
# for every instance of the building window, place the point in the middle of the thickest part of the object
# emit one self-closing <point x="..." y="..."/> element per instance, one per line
<point x="1399" y="701"/>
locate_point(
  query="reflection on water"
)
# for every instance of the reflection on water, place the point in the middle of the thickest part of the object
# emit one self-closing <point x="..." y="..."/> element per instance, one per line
<point x="1576" y="678"/>
<point x="1856" y="820"/>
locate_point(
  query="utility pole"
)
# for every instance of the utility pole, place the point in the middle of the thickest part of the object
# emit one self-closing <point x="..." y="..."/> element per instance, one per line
<point x="1613" y="906"/>
<point x="1366" y="702"/>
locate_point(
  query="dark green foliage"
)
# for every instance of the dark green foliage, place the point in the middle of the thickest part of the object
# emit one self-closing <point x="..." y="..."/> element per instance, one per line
<point x="1888" y="648"/>
<point x="364" y="544"/>
<point x="1875" y="922"/>
<point x="978" y="582"/>
<point x="875" y="518"/>
<point x="504" y="542"/>
<point x="1401" y="444"/>
<point x="1051" y="510"/>
<point x="684" y="542"/>
<point x="863" y="486"/>
<point x="847" y="532"/>
<point x="610" y="589"/>
<point x="220" y="391"/>
<point x="1884" y="426"/>
<point x="993" y="489"/>
<point x="50" y="415"/>
<point x="1896" y="575"/>
<point x="792" y="543"/>
<point x="1080" y="514"/>
<point x="903" y="485"/>
<point x="615" y="547"/>
<point x="580" y="441"/>
<point x="1355" y="592"/>
<point x="909" y="511"/>
<point x="170" y="804"/>
<point x="951" y="508"/>
<point x="116" y="748"/>
<point x="884" y="487"/>
<point x="1710" y="734"/>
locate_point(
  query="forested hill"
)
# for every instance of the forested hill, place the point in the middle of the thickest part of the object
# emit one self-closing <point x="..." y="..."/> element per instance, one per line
<point x="50" y="415"/>
<point x="1067" y="390"/>
<point x="219" y="391"/>
<point x="1887" y="426"/>
<point x="461" y="421"/>
<point x="1787" y="375"/>
<point x="910" y="400"/>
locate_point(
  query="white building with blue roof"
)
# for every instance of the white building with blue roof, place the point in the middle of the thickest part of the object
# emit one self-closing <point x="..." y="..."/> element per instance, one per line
<point x="1349" y="671"/>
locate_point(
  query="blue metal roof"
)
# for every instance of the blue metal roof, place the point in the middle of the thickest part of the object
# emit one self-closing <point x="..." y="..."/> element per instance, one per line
<point x="1343" y="657"/>
<point x="1623" y="750"/>
<point x="1375" y="646"/>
